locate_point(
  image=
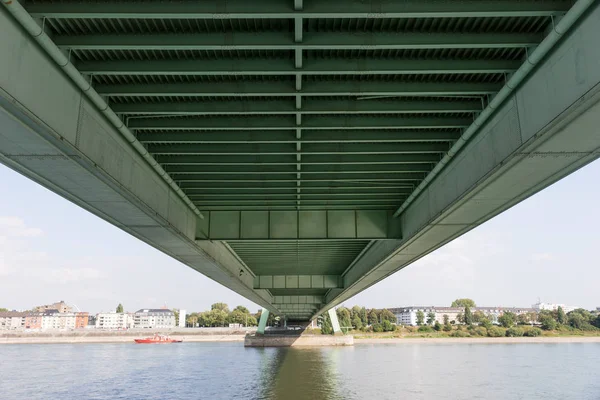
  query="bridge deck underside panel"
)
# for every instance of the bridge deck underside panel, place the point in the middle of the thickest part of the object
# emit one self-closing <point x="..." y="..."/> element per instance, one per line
<point x="298" y="105"/>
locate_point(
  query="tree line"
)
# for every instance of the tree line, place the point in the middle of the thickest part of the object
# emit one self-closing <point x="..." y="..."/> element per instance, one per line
<point x="361" y="319"/>
<point x="220" y="315"/>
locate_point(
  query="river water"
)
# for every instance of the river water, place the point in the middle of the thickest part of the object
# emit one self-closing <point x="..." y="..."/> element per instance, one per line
<point x="230" y="371"/>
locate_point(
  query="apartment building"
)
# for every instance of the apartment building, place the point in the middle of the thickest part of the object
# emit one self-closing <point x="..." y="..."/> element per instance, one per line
<point x="408" y="315"/>
<point x="114" y="321"/>
<point x="154" y="318"/>
<point x="12" y="320"/>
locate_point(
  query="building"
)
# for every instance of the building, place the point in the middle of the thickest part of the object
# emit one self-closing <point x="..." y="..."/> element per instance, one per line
<point x="182" y="316"/>
<point x="33" y="320"/>
<point x="552" y="307"/>
<point x="154" y="318"/>
<point x="81" y="320"/>
<point x="12" y="320"/>
<point x="52" y="319"/>
<point x="61" y="307"/>
<point x="408" y="315"/>
<point x="113" y="321"/>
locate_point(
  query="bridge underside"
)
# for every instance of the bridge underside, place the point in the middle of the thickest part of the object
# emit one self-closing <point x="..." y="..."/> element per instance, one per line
<point x="298" y="152"/>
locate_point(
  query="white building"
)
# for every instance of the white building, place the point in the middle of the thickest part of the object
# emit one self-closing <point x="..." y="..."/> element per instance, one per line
<point x="408" y="315"/>
<point x="553" y="307"/>
<point x="54" y="320"/>
<point x="154" y="318"/>
<point x="114" y="321"/>
<point x="182" y="315"/>
<point x="12" y="320"/>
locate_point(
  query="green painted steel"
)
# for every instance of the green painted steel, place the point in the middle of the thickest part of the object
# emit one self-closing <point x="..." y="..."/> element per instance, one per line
<point x="297" y="129"/>
<point x="298" y="282"/>
<point x="262" y="323"/>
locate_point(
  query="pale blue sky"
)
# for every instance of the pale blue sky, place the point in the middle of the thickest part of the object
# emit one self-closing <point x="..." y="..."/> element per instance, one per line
<point x="545" y="247"/>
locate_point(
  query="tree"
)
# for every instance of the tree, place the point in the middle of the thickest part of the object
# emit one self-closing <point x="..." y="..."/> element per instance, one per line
<point x="191" y="320"/>
<point x="577" y="320"/>
<point x="430" y="318"/>
<point x="355" y="312"/>
<point x="446" y="319"/>
<point x="463" y="303"/>
<point x="363" y="316"/>
<point x="220" y="306"/>
<point x="468" y="316"/>
<point x="120" y="308"/>
<point x="478" y="316"/>
<point x="460" y="318"/>
<point x="485" y="322"/>
<point x="3" y="309"/>
<point x="387" y="315"/>
<point x="373" y="316"/>
<point x="387" y="326"/>
<point x="242" y="309"/>
<point x="420" y="317"/>
<point x="548" y="323"/>
<point x="176" y="312"/>
<point x="437" y="326"/>
<point x="523" y="319"/>
<point x="561" y="317"/>
<point x="326" y="327"/>
<point x="343" y="315"/>
<point x="507" y="319"/>
<point x="357" y="323"/>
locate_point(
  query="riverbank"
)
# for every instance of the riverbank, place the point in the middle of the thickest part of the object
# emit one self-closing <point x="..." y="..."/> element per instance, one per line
<point x="93" y="336"/>
<point x="481" y="340"/>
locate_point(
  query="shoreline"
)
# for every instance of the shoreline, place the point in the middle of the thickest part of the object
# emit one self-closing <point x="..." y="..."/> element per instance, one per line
<point x="481" y="340"/>
<point x="239" y="337"/>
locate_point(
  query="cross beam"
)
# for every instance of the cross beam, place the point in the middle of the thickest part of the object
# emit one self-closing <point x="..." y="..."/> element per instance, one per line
<point x="298" y="282"/>
<point x="297" y="225"/>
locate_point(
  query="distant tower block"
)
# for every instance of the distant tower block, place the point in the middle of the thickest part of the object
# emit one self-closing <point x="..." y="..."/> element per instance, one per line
<point x="182" y="314"/>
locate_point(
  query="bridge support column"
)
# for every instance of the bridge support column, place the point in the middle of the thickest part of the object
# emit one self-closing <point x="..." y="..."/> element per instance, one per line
<point x="262" y="323"/>
<point x="335" y="324"/>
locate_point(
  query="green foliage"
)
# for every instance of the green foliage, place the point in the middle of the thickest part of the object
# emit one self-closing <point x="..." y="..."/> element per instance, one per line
<point x="437" y="326"/>
<point x="459" y="333"/>
<point x="344" y="318"/>
<point x="507" y="319"/>
<point x="387" y="315"/>
<point x="576" y="320"/>
<point x="388" y="326"/>
<point x="561" y="317"/>
<point x="237" y="317"/>
<point x="377" y="327"/>
<point x="495" y="332"/>
<point x="430" y="318"/>
<point x="424" y="328"/>
<point x="176" y="312"/>
<point x="461" y="318"/>
<point x="486" y="323"/>
<point x="242" y="309"/>
<point x="468" y="316"/>
<point x="548" y="323"/>
<point x="373" y="316"/>
<point x="533" y="332"/>
<point x="479" y="331"/>
<point x="514" y="332"/>
<point x="356" y="322"/>
<point x="478" y="316"/>
<point x="326" y="327"/>
<point x="463" y="303"/>
<point x="220" y="306"/>
<point x="447" y="327"/>
<point x="420" y="317"/>
<point x="363" y="316"/>
<point x="120" y="308"/>
<point x="446" y="319"/>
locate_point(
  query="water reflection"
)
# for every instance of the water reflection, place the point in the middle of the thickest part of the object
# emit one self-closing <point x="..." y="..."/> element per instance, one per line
<point x="298" y="373"/>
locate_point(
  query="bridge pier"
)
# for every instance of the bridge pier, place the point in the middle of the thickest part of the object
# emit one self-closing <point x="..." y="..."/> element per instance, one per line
<point x="262" y="323"/>
<point x="335" y="323"/>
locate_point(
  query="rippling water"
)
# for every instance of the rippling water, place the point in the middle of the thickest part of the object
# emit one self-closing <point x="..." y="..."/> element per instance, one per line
<point x="230" y="371"/>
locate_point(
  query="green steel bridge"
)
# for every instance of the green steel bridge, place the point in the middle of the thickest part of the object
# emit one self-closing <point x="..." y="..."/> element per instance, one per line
<point x="298" y="152"/>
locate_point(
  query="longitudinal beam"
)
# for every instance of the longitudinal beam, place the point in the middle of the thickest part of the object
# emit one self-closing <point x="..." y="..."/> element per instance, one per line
<point x="297" y="225"/>
<point x="287" y="88"/>
<point x="307" y="159"/>
<point x="309" y="106"/>
<point x="350" y="122"/>
<point x="282" y="41"/>
<point x="241" y="9"/>
<point x="286" y="67"/>
<point x="286" y="177"/>
<point x="309" y="148"/>
<point x="326" y="136"/>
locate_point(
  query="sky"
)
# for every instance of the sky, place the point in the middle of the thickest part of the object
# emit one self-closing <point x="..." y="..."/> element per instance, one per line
<point x="543" y="248"/>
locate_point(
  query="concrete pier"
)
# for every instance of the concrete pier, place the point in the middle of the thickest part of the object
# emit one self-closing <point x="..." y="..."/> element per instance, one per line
<point x="297" y="341"/>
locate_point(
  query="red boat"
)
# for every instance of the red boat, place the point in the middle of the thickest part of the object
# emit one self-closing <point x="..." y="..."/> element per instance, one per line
<point x="158" y="339"/>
